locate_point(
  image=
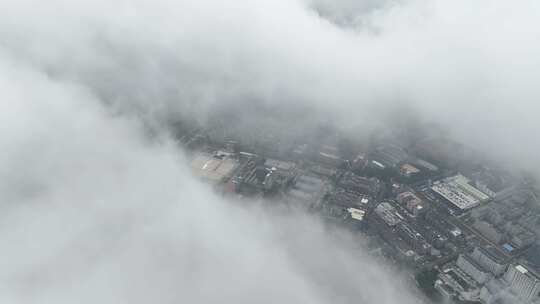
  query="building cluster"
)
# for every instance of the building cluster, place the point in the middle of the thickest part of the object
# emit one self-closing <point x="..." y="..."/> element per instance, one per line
<point x="354" y="194"/>
<point x="411" y="202"/>
<point x="511" y="221"/>
<point x="484" y="276"/>
<point x="398" y="228"/>
<point x="477" y="227"/>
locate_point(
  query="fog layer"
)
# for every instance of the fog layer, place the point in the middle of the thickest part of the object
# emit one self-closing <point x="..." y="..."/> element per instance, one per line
<point x="94" y="211"/>
<point x="471" y="65"/>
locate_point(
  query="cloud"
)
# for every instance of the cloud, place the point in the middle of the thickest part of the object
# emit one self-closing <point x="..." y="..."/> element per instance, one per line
<point x="470" y="66"/>
<point x="94" y="211"/>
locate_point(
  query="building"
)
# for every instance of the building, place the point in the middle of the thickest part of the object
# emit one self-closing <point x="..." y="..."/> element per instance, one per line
<point x="524" y="282"/>
<point x="329" y="155"/>
<point x="413" y="238"/>
<point x="493" y="182"/>
<point x="459" y="192"/>
<point x="451" y="231"/>
<point x="466" y="263"/>
<point x="216" y="168"/>
<point x="445" y="290"/>
<point x="359" y="184"/>
<point x="412" y="203"/>
<point x="345" y="198"/>
<point x="323" y="171"/>
<point x="307" y="190"/>
<point x="388" y="214"/>
<point x="427" y="165"/>
<point x="389" y="155"/>
<point x="257" y="175"/>
<point x="408" y="170"/>
<point x="490" y="260"/>
<point x="282" y="166"/>
<point x="457" y="283"/>
<point x="356" y="217"/>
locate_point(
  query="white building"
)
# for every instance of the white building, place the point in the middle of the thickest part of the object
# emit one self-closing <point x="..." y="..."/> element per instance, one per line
<point x="523" y="282"/>
<point x="458" y="191"/>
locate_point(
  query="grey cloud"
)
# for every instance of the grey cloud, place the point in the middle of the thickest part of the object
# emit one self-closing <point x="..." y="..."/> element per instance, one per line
<point x="470" y="66"/>
<point x="94" y="211"/>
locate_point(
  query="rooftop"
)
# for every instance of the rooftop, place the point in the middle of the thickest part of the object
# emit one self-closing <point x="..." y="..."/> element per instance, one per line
<point x="458" y="191"/>
<point x="388" y="214"/>
<point x="278" y="164"/>
<point x="213" y="168"/>
<point x="356" y="214"/>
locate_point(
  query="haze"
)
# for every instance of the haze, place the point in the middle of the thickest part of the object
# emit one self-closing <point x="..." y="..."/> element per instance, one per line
<point x="96" y="210"/>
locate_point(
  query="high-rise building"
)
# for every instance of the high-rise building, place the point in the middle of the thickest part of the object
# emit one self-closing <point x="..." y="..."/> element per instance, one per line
<point x="489" y="260"/>
<point x="472" y="268"/>
<point x="524" y="282"/>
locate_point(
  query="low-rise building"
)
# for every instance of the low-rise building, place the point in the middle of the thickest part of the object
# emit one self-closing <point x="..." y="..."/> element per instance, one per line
<point x="459" y="192"/>
<point x="215" y="168"/>
<point x="459" y="284"/>
<point x="412" y="203"/>
<point x="388" y="214"/>
<point x="408" y="170"/>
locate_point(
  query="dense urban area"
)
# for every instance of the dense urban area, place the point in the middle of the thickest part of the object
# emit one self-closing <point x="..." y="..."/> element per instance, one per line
<point x="465" y="228"/>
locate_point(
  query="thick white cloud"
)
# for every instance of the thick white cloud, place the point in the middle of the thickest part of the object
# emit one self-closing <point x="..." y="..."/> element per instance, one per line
<point x="92" y="211"/>
<point x="471" y="65"/>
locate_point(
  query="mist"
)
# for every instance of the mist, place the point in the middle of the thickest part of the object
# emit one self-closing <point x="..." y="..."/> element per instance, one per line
<point x="94" y="209"/>
<point x="352" y="62"/>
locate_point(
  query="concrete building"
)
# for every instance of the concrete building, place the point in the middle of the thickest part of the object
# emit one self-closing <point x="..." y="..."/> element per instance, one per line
<point x="307" y="190"/>
<point x="413" y="238"/>
<point x="466" y="263"/>
<point x="282" y="166"/>
<point x="215" y="168"/>
<point x="495" y="183"/>
<point x="388" y="214"/>
<point x="524" y="282"/>
<point x="344" y="198"/>
<point x="389" y="155"/>
<point x="445" y="290"/>
<point x="329" y="155"/>
<point x="424" y="164"/>
<point x="458" y="284"/>
<point x="408" y="170"/>
<point x="451" y="231"/>
<point x="459" y="192"/>
<point x="412" y="203"/>
<point x="490" y="260"/>
<point x="356" y="217"/>
<point x="359" y="184"/>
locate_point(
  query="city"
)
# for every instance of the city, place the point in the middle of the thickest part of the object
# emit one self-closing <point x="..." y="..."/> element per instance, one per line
<point x="270" y="152"/>
<point x="465" y="232"/>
